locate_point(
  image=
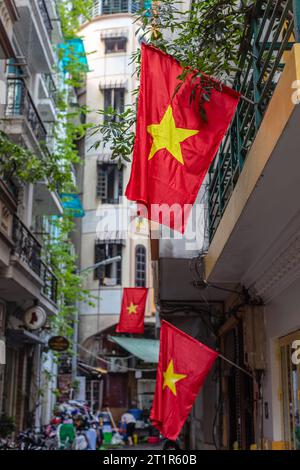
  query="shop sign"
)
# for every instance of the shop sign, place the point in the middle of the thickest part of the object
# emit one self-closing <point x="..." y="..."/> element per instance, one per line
<point x="58" y="343"/>
<point x="35" y="318"/>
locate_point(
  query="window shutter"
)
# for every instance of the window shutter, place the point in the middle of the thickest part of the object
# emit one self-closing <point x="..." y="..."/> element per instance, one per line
<point x="100" y="255"/>
<point x="102" y="182"/>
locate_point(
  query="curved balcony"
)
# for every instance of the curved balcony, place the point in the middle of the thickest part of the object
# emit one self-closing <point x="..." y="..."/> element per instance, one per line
<point x="111" y="7"/>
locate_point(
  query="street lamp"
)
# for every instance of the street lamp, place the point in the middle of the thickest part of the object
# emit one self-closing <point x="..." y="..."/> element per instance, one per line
<point x="75" y="330"/>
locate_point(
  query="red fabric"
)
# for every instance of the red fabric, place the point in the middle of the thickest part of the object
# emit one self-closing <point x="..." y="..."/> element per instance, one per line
<point x="132" y="322"/>
<point x="162" y="179"/>
<point x="191" y="358"/>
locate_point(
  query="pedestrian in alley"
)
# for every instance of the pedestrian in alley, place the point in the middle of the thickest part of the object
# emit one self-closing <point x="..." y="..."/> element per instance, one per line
<point x="129" y="420"/>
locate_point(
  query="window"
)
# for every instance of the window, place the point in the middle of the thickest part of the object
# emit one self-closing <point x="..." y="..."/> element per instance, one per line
<point x="114" y="98"/>
<point x="114" y="6"/>
<point x="114" y="45"/>
<point x="109" y="183"/>
<point x="110" y="275"/>
<point x="140" y="266"/>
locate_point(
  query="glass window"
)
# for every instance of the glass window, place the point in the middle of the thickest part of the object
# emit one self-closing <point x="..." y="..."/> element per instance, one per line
<point x="114" y="6"/>
<point x="140" y="266"/>
<point x="114" y="98"/>
<point x="111" y="274"/>
<point x="109" y="183"/>
<point x="114" y="45"/>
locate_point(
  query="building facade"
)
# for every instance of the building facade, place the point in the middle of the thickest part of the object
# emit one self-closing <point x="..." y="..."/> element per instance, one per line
<point x="254" y="232"/>
<point x="240" y="286"/>
<point x="109" y="39"/>
<point x="30" y="32"/>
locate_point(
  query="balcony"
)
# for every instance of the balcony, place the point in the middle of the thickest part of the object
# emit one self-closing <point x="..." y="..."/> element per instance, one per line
<point x="111" y="7"/>
<point x="28" y="249"/>
<point x="254" y="182"/>
<point x="263" y="54"/>
<point x="47" y="94"/>
<point x="19" y="108"/>
<point x="49" y="288"/>
<point x="46" y="18"/>
<point x="34" y="33"/>
<point x="26" y="246"/>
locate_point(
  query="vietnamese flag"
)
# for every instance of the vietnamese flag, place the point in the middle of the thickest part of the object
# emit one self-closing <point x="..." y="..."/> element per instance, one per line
<point x="173" y="146"/>
<point x="132" y="310"/>
<point x="183" y="366"/>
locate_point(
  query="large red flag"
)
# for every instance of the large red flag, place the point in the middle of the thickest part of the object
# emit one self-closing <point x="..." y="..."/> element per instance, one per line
<point x="132" y="310"/>
<point x="173" y="146"/>
<point x="182" y="369"/>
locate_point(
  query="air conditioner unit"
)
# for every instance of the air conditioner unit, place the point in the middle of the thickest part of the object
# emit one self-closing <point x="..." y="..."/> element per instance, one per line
<point x="117" y="364"/>
<point x="110" y="281"/>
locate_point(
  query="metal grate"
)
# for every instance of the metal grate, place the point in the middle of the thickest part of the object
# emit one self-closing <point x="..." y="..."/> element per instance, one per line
<point x="268" y="35"/>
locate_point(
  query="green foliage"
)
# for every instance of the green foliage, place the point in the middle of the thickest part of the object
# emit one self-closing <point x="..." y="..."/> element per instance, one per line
<point x="70" y="12"/>
<point x="70" y="283"/>
<point x="7" y="426"/>
<point x="56" y="168"/>
<point x="19" y="162"/>
<point x="205" y="38"/>
<point x="117" y="128"/>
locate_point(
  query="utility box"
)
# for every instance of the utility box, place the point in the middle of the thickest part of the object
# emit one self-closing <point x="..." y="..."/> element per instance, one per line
<point x="254" y="333"/>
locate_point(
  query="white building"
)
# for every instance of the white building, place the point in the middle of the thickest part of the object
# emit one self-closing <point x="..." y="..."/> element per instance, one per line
<point x="109" y="39"/>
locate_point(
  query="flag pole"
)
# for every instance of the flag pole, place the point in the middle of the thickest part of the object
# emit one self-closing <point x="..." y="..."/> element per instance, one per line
<point x="237" y="366"/>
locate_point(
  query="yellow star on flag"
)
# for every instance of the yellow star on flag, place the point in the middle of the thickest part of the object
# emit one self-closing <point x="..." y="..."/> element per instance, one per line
<point x="167" y="135"/>
<point x="170" y="378"/>
<point x="132" y="308"/>
<point x="140" y="223"/>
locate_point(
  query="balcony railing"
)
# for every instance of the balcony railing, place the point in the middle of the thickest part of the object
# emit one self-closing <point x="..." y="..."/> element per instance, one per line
<point x="49" y="282"/>
<point x="29" y="250"/>
<point x="46" y="18"/>
<point x="26" y="246"/>
<point x="50" y="86"/>
<point x="20" y="103"/>
<point x="269" y="34"/>
<point x="110" y="7"/>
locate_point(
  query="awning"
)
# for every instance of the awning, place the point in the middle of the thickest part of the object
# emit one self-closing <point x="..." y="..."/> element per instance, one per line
<point x="20" y="337"/>
<point x="112" y="83"/>
<point x="145" y="349"/>
<point x="106" y="158"/>
<point x="111" y="236"/>
<point x="72" y="205"/>
<point x="92" y="370"/>
<point x="114" y="33"/>
<point x="70" y="51"/>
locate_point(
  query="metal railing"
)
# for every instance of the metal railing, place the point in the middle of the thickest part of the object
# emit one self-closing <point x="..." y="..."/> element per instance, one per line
<point x="46" y="18"/>
<point x="26" y="246"/>
<point x="110" y="7"/>
<point x="49" y="282"/>
<point x="270" y="33"/>
<point x="20" y="103"/>
<point x="50" y="86"/>
<point x="29" y="250"/>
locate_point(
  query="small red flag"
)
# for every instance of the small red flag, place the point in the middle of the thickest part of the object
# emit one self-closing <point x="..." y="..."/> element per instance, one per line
<point x="132" y="310"/>
<point x="183" y="366"/>
<point x="173" y="146"/>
